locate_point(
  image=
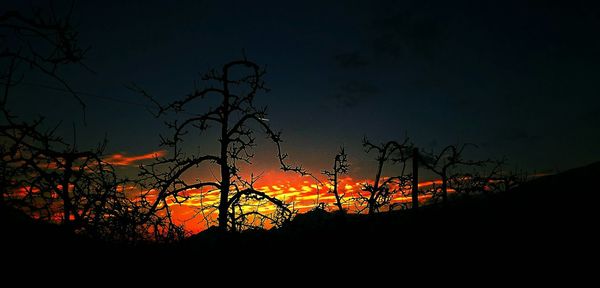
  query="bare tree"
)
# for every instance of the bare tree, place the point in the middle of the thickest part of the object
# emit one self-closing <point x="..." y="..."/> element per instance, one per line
<point x="72" y="183"/>
<point x="340" y="167"/>
<point x="483" y="178"/>
<point x="381" y="192"/>
<point x="52" y="181"/>
<point x="42" y="41"/>
<point x="502" y="179"/>
<point x="42" y="174"/>
<point x="235" y="118"/>
<point x="49" y="180"/>
<point x="443" y="162"/>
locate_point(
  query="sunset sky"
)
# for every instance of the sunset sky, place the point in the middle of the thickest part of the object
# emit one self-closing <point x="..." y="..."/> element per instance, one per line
<point x="518" y="78"/>
<point x="301" y="192"/>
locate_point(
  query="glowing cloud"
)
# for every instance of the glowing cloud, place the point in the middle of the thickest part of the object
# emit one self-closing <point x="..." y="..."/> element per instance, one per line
<point x="119" y="159"/>
<point x="302" y="194"/>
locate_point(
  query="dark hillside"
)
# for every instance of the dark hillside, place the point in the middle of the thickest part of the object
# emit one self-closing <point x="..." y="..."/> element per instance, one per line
<point x="547" y="218"/>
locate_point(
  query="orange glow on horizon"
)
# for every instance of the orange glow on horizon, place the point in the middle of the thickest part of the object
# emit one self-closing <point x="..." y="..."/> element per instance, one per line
<point x="302" y="193"/>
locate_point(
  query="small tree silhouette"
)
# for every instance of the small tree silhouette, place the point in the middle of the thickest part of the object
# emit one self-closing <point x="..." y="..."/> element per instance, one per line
<point x="55" y="182"/>
<point x="381" y="192"/>
<point x="340" y="167"/>
<point x="76" y="184"/>
<point x="502" y="179"/>
<point x="233" y="89"/>
<point x="480" y="179"/>
<point x="443" y="162"/>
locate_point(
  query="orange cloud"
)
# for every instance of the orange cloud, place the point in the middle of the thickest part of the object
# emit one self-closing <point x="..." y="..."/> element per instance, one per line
<point x="119" y="159"/>
<point x="430" y="183"/>
<point x="302" y="193"/>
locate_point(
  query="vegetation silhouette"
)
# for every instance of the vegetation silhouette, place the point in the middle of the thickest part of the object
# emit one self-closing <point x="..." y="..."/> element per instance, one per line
<point x="380" y="193"/>
<point x="234" y="117"/>
<point x="74" y="199"/>
<point x="340" y="167"/>
<point x="441" y="164"/>
<point x="43" y="175"/>
<point x="508" y="226"/>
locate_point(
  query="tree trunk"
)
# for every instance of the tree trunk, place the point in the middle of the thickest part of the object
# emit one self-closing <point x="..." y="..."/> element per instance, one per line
<point x="415" y="179"/>
<point x="65" y="194"/>
<point x="371" y="206"/>
<point x="223" y="205"/>
<point x="338" y="201"/>
<point x="444" y="188"/>
<point x="232" y="217"/>
<point x="375" y="193"/>
<point x="225" y="173"/>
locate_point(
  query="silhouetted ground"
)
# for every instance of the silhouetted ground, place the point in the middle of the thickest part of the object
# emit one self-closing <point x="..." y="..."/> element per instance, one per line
<point x="548" y="221"/>
<point x="542" y="212"/>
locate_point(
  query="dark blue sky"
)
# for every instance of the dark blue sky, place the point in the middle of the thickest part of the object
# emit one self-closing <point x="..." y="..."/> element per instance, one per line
<point x="518" y="78"/>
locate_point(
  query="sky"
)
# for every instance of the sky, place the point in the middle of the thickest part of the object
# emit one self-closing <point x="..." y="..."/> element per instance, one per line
<point x="517" y="78"/>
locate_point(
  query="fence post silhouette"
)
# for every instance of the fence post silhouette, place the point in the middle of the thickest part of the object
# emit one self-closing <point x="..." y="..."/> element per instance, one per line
<point x="415" y="179"/>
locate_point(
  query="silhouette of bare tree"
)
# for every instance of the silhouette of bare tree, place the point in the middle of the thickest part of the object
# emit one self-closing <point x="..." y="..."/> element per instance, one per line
<point x="340" y="167"/>
<point x="441" y="164"/>
<point x="71" y="184"/>
<point x="40" y="172"/>
<point x="381" y="192"/>
<point x="476" y="179"/>
<point x="42" y="42"/>
<point x="502" y="179"/>
<point x="53" y="181"/>
<point x="236" y="119"/>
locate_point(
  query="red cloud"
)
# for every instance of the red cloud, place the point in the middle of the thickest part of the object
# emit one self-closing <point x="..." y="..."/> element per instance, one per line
<point x="303" y="192"/>
<point x="119" y="159"/>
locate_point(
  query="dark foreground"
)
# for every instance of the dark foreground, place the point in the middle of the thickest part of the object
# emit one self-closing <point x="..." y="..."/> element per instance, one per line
<point x="547" y="222"/>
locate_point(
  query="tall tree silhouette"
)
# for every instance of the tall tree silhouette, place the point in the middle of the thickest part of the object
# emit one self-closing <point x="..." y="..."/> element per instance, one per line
<point x="340" y="167"/>
<point x="232" y="89"/>
<point x="40" y="172"/>
<point x="441" y="164"/>
<point x="39" y="42"/>
<point x="380" y="193"/>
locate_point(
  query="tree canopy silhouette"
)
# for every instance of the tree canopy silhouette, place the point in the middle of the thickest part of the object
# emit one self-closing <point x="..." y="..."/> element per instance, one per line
<point x="41" y="173"/>
<point x="236" y="119"/>
<point x="442" y="163"/>
<point x="380" y="193"/>
<point x="340" y="167"/>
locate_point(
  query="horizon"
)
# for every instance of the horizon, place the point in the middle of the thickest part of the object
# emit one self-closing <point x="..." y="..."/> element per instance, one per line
<point x="469" y="92"/>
